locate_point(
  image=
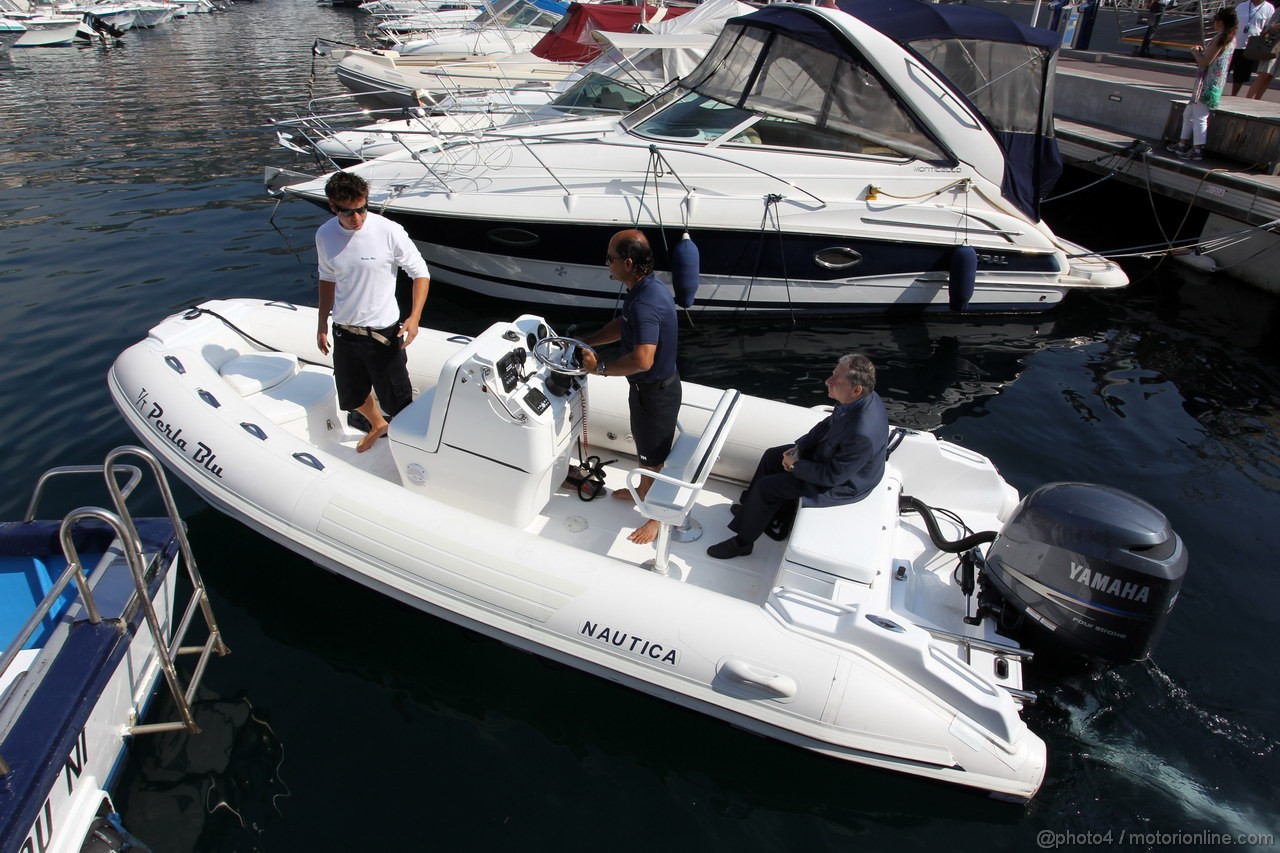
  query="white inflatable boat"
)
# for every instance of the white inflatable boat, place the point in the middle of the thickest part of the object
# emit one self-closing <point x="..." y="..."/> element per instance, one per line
<point x="868" y="634"/>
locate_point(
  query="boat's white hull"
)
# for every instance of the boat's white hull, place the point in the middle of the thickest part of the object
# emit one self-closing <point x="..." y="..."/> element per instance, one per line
<point x="583" y="286"/>
<point x="77" y="792"/>
<point x="149" y="17"/>
<point x="400" y="81"/>
<point x="521" y="213"/>
<point x="902" y="198"/>
<point x="48" y="32"/>
<point x="9" y="33"/>
<point x="561" y="580"/>
<point x="489" y="41"/>
<point x="421" y="26"/>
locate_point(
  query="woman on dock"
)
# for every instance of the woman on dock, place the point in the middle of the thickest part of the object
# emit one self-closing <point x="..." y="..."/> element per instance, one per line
<point x="1213" y="60"/>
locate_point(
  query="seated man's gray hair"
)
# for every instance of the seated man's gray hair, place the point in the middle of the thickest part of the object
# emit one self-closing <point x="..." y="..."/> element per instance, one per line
<point x="858" y="370"/>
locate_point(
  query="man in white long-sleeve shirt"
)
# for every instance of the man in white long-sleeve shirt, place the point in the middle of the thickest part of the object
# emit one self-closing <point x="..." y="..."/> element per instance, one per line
<point x="1253" y="16"/>
<point x="360" y="253"/>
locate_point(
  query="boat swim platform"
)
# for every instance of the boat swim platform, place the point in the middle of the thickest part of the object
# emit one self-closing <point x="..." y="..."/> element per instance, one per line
<point x="1115" y="114"/>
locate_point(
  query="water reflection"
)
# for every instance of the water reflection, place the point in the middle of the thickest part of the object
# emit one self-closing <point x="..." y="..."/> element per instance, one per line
<point x="130" y="183"/>
<point x="926" y="369"/>
<point x="222" y="789"/>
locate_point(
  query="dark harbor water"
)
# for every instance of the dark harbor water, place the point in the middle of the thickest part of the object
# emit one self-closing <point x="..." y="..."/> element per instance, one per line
<point x="130" y="188"/>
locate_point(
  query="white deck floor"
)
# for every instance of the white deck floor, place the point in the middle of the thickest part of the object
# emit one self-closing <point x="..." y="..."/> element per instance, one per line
<point x="602" y="526"/>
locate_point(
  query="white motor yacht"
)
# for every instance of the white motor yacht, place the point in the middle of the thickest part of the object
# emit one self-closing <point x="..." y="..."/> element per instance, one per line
<point x="817" y="164"/>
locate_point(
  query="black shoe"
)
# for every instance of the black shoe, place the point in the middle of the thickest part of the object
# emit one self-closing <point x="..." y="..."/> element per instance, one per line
<point x="729" y="548"/>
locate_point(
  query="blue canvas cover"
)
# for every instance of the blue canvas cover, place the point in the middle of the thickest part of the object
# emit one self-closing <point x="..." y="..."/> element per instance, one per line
<point x="1003" y="68"/>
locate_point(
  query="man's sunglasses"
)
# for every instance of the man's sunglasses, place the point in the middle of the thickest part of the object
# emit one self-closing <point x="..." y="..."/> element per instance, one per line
<point x="343" y="211"/>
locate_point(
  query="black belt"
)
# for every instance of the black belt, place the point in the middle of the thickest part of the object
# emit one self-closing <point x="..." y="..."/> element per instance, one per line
<point x="367" y="332"/>
<point x="658" y="386"/>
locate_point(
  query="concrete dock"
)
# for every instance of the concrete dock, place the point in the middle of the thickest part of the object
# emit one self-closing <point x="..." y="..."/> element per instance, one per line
<point x="1115" y="113"/>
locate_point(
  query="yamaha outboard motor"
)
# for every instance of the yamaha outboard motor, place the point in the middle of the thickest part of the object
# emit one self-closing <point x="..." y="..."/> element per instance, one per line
<point x="1098" y="568"/>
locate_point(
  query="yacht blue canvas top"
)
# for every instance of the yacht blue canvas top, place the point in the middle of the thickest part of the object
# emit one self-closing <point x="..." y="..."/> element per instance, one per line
<point x="1003" y="68"/>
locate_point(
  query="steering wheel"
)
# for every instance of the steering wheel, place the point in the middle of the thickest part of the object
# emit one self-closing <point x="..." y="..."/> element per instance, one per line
<point x="560" y="355"/>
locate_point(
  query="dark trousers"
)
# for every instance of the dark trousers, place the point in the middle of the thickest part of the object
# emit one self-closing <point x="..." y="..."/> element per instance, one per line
<point x="361" y="364"/>
<point x="770" y="490"/>
<point x="1241" y="68"/>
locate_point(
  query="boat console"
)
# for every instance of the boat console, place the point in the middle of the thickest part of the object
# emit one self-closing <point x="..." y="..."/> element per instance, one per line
<point x="496" y="433"/>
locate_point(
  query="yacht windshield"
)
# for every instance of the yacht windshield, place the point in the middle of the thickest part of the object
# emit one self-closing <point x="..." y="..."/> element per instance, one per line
<point x="516" y="14"/>
<point x="598" y="92"/>
<point x="1004" y="81"/>
<point x="770" y="88"/>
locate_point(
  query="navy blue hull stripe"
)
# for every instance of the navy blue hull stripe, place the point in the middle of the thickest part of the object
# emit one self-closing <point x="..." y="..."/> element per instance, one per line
<point x="723" y="253"/>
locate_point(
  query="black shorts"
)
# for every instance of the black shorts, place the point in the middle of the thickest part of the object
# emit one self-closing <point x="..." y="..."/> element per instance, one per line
<point x="654" y="409"/>
<point x="1241" y="69"/>
<point x="362" y="364"/>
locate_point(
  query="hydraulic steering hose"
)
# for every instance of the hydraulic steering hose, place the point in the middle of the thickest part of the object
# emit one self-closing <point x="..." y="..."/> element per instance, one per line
<point x="907" y="503"/>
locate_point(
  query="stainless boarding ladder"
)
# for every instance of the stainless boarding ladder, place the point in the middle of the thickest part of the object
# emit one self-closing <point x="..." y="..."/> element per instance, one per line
<point x="121" y="522"/>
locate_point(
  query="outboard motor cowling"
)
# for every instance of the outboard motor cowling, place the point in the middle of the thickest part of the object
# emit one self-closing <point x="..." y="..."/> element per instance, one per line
<point x="1096" y="567"/>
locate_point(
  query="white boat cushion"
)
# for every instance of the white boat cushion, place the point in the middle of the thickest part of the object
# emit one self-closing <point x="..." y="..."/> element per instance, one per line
<point x="258" y="371"/>
<point x="853" y="541"/>
<point x="291" y="400"/>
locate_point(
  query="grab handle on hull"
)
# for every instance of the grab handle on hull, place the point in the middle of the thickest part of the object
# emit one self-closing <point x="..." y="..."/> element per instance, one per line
<point x="738" y="670"/>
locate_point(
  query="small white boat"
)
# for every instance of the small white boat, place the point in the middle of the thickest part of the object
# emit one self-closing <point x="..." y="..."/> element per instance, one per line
<point x="388" y="9"/>
<point x="10" y="31"/>
<point x="633" y="69"/>
<point x="508" y="26"/>
<point x="393" y="27"/>
<point x="44" y="30"/>
<point x="384" y="78"/>
<point x="485" y="56"/>
<point x="89" y="626"/>
<point x="195" y="7"/>
<point x="881" y="632"/>
<point x="118" y="15"/>
<point x="149" y="14"/>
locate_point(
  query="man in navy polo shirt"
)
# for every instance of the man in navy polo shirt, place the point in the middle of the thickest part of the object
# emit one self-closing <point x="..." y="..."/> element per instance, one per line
<point x="648" y="329"/>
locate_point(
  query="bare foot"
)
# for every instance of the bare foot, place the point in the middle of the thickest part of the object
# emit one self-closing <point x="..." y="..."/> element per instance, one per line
<point x="370" y="437"/>
<point x="623" y="495"/>
<point x="645" y="533"/>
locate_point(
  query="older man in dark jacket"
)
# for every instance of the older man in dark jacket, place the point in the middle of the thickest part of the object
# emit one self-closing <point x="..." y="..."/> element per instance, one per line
<point x="839" y="461"/>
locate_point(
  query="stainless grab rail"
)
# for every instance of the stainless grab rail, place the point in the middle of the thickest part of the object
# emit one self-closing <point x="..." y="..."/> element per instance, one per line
<point x="199" y="595"/>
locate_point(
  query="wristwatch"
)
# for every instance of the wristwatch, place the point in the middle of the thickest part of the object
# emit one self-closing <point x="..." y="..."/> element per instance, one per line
<point x="600" y="369"/>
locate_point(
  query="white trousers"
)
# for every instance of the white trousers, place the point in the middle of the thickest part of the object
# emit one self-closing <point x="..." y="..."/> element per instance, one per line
<point x="1195" y="123"/>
